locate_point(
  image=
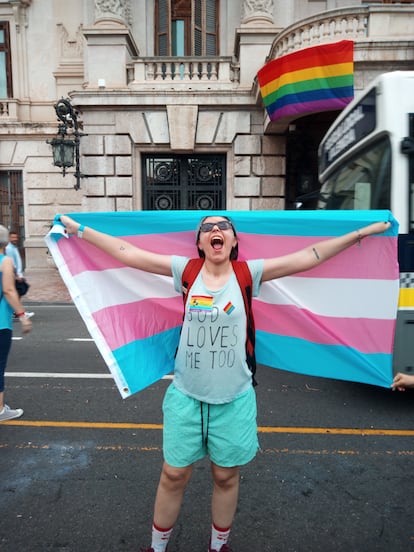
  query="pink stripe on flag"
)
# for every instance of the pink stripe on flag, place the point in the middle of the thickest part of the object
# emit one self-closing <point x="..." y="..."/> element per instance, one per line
<point x="122" y="324"/>
<point x="354" y="262"/>
<point x="364" y="334"/>
<point x="81" y="255"/>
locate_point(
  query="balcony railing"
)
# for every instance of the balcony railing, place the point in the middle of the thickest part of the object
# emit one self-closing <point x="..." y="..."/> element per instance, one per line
<point x="184" y="72"/>
<point x="353" y="23"/>
<point x="8" y="109"/>
<point x="363" y="24"/>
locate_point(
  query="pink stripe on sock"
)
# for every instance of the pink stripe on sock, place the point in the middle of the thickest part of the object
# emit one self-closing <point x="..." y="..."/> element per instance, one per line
<point x="160" y="528"/>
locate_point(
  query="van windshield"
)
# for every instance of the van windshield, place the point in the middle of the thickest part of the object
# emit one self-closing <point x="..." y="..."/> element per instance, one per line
<point x="362" y="181"/>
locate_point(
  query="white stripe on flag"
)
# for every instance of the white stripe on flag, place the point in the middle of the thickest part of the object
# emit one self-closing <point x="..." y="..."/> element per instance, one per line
<point x="123" y="285"/>
<point x="329" y="297"/>
<point x="323" y="296"/>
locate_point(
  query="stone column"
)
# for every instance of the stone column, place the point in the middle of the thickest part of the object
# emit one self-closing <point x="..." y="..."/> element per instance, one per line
<point x="254" y="38"/>
<point x="110" y="45"/>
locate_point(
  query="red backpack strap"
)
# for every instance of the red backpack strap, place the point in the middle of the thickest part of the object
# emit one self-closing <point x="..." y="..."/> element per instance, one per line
<point x="244" y="278"/>
<point x="190" y="273"/>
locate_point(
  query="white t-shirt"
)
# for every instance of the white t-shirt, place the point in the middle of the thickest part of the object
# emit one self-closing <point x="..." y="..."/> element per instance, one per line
<point x="210" y="364"/>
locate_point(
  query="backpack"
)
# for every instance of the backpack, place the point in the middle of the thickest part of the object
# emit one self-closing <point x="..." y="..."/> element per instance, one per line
<point x="244" y="279"/>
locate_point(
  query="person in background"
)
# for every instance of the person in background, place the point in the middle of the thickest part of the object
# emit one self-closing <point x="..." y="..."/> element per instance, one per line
<point x="210" y="410"/>
<point x="402" y="382"/>
<point x="12" y="251"/>
<point x="9" y="303"/>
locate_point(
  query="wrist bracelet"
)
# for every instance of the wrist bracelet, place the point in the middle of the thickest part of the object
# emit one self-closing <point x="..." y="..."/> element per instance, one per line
<point x="19" y="314"/>
<point x="359" y="238"/>
<point x="81" y="230"/>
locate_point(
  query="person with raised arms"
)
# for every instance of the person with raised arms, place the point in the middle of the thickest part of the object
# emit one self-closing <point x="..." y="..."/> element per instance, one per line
<point x="210" y="407"/>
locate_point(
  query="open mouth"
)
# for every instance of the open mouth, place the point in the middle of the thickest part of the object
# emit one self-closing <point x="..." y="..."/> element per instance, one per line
<point x="216" y="243"/>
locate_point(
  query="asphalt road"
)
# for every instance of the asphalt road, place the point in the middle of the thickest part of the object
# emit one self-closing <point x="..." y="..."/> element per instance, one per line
<point x="78" y="472"/>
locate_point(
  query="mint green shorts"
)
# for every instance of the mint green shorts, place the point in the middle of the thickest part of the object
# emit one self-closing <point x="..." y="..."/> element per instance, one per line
<point x="227" y="432"/>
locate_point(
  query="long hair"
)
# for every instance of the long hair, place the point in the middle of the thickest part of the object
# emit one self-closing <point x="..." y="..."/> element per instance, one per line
<point x="4" y="236"/>
<point x="234" y="253"/>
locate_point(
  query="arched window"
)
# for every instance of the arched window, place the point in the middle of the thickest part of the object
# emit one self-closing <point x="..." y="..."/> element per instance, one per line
<point x="186" y="27"/>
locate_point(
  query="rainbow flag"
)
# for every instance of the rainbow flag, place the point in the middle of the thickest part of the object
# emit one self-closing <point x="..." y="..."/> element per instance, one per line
<point x="320" y="78"/>
<point x="199" y="303"/>
<point x="336" y="320"/>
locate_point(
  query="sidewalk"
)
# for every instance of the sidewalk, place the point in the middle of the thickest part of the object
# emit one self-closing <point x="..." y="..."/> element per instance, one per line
<point x="46" y="286"/>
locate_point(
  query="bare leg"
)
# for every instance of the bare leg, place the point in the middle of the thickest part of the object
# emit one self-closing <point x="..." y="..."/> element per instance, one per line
<point x="170" y="492"/>
<point x="225" y="494"/>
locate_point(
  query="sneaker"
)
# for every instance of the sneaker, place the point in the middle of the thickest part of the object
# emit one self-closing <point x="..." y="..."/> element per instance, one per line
<point x="8" y="413"/>
<point x="28" y="314"/>
<point x="224" y="548"/>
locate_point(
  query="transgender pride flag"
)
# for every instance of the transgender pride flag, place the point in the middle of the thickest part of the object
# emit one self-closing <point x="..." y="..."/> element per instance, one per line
<point x="336" y="320"/>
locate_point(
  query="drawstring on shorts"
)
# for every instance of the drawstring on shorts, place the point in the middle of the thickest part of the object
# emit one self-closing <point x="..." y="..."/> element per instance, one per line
<point x="204" y="438"/>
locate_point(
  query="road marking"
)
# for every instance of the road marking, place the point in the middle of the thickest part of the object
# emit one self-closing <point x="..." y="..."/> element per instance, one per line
<point x="76" y="339"/>
<point x="338" y="431"/>
<point x="86" y="425"/>
<point x="261" y="429"/>
<point x="57" y="375"/>
<point x="66" y="375"/>
<point x="135" y="448"/>
<point x="48" y="446"/>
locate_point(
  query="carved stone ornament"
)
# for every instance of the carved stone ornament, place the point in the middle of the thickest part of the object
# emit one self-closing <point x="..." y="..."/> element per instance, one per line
<point x="71" y="47"/>
<point x="257" y="10"/>
<point x="118" y="10"/>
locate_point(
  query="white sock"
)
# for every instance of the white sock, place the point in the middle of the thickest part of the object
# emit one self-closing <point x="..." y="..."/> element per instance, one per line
<point x="219" y="537"/>
<point x="160" y="538"/>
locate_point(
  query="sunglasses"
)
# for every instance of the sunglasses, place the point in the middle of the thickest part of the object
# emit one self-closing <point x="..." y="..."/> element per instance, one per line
<point x="221" y="224"/>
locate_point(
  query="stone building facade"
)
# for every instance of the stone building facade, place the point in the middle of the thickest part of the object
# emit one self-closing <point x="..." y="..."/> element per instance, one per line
<point x="167" y="99"/>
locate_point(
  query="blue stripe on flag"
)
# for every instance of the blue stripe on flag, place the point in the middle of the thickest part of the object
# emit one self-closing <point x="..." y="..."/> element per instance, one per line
<point x="284" y="223"/>
<point x="296" y="355"/>
<point x="312" y="96"/>
<point x="145" y="361"/>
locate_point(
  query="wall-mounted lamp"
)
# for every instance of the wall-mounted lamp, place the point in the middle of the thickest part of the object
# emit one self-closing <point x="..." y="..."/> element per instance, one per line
<point x="65" y="146"/>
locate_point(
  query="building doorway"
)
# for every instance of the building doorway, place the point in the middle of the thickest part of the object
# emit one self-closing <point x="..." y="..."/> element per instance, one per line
<point x="179" y="182"/>
<point x="302" y="142"/>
